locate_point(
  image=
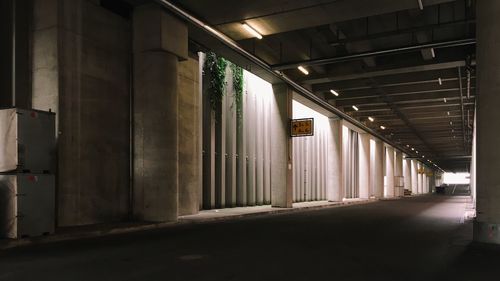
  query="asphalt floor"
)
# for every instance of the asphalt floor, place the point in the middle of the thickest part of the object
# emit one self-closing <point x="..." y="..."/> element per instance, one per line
<point x="418" y="238"/>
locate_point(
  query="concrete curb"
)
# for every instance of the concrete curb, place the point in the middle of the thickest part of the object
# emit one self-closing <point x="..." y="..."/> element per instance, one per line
<point x="62" y="237"/>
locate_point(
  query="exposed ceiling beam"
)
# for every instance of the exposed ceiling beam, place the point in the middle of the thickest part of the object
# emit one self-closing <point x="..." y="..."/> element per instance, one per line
<point x="393" y="51"/>
<point x="410" y="69"/>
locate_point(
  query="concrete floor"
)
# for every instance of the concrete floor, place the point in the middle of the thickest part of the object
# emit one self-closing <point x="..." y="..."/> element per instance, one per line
<point x="420" y="238"/>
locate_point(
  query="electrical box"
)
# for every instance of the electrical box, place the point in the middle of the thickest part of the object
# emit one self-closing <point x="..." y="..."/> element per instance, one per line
<point x="27" y="141"/>
<point x="27" y="205"/>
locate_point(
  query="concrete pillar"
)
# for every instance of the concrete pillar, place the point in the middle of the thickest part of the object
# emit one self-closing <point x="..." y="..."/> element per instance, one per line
<point x="189" y="136"/>
<point x="487" y="223"/>
<point x="398" y="174"/>
<point x="377" y="168"/>
<point x="364" y="166"/>
<point x="15" y="53"/>
<point x="160" y="40"/>
<point x="407" y="173"/>
<point x="420" y="179"/>
<point x="334" y="181"/>
<point x="281" y="148"/>
<point x="414" y="177"/>
<point x="389" y="172"/>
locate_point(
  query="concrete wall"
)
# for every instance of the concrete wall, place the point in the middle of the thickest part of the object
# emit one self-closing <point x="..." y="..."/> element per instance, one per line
<point x="189" y="136"/>
<point x="81" y="70"/>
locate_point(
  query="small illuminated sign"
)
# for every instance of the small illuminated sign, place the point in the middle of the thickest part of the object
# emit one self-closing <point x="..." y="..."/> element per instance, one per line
<point x="302" y="127"/>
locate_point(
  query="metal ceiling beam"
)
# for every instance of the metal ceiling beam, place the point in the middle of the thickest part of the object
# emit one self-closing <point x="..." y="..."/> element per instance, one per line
<point x="267" y="68"/>
<point x="323" y="61"/>
<point x="402" y="70"/>
<point x="395" y="32"/>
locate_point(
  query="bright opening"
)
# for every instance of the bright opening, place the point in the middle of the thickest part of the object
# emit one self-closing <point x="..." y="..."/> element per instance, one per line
<point x="456" y="178"/>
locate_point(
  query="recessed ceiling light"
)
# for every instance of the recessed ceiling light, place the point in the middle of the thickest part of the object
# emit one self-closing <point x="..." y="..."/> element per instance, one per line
<point x="355" y="107"/>
<point x="423" y="156"/>
<point x="303" y="70"/>
<point x="334" y="93"/>
<point x="451" y="122"/>
<point x="382" y="127"/>
<point x="371" y="119"/>
<point x="407" y="145"/>
<point x="252" y="31"/>
<point x="413" y="149"/>
<point x="448" y="113"/>
<point x="416" y="152"/>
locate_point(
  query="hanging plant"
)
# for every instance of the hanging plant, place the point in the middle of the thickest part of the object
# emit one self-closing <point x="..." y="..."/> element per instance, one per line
<point x="215" y="67"/>
<point x="237" y="72"/>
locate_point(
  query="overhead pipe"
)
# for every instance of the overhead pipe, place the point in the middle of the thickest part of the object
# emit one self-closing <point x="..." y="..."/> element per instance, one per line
<point x="301" y="90"/>
<point x="322" y="61"/>
<point x="462" y="108"/>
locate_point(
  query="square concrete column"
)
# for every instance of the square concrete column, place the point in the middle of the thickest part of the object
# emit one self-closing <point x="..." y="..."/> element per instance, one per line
<point x="389" y="172"/>
<point x="407" y="173"/>
<point x="398" y="173"/>
<point x="281" y="148"/>
<point x="334" y="180"/>
<point x="377" y="168"/>
<point x="420" y="179"/>
<point x="364" y="166"/>
<point x="160" y="41"/>
<point x="414" y="177"/>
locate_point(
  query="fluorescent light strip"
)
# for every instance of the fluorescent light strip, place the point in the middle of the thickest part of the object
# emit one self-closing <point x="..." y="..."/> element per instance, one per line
<point x="440" y="81"/>
<point x="334" y="93"/>
<point x="303" y="70"/>
<point x="371" y="119"/>
<point x="355" y="107"/>
<point x="252" y="31"/>
<point x="420" y="4"/>
<point x="382" y="127"/>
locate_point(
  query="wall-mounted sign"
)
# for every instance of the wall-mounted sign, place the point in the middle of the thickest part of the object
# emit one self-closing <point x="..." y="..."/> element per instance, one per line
<point x="302" y="127"/>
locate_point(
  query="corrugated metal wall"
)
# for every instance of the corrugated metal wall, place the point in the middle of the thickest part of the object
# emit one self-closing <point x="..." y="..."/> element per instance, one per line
<point x="310" y="157"/>
<point x="237" y="162"/>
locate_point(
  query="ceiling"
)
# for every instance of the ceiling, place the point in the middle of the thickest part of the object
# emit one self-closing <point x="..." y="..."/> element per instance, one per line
<point x="412" y="70"/>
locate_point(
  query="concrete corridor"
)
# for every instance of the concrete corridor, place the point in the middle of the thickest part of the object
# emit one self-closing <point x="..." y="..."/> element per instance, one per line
<point x="419" y="238"/>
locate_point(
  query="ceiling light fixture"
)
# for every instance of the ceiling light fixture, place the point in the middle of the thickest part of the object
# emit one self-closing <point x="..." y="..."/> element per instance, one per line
<point x="371" y="119"/>
<point x="252" y="31"/>
<point x="433" y="54"/>
<point x="382" y="127"/>
<point x="451" y="122"/>
<point x="444" y="99"/>
<point x="448" y="113"/>
<point x="334" y="93"/>
<point x="420" y="4"/>
<point x="413" y="149"/>
<point x="440" y="81"/>
<point x="355" y="107"/>
<point x="416" y="151"/>
<point x="303" y="70"/>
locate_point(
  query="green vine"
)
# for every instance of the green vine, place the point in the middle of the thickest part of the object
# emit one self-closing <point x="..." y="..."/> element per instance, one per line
<point x="238" y="88"/>
<point x="215" y="66"/>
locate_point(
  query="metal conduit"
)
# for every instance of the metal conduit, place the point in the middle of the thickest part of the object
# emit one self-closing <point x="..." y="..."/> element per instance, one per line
<point x="301" y="90"/>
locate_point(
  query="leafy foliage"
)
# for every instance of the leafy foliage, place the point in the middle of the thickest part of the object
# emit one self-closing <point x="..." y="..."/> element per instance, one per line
<point x="215" y="67"/>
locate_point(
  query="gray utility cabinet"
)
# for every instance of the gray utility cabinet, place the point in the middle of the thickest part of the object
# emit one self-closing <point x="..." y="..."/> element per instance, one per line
<point x="27" y="206"/>
<point x="27" y="141"/>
